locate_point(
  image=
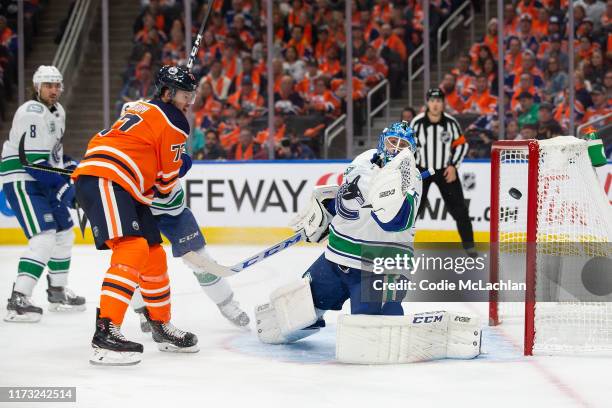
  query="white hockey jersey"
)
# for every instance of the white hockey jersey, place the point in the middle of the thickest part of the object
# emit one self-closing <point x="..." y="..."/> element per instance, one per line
<point x="173" y="205"/>
<point x="43" y="129"/>
<point x="355" y="236"/>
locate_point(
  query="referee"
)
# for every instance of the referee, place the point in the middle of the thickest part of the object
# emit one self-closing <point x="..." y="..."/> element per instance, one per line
<point x="441" y="146"/>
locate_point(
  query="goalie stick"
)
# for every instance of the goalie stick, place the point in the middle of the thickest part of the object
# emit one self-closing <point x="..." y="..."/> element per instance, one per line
<point x="209" y="266"/>
<point x="23" y="159"/>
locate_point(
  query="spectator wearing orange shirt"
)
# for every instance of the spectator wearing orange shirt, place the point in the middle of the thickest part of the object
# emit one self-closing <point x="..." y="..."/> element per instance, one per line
<point x="371" y="68"/>
<point x="331" y="66"/>
<point x="392" y="41"/>
<point x="300" y="43"/>
<point x="481" y="101"/>
<point x="246" y="148"/>
<point x="540" y="24"/>
<point x="174" y="50"/>
<point x="280" y="130"/>
<point x="149" y="34"/>
<point x="207" y="110"/>
<point x="307" y="84"/>
<point x="248" y="70"/>
<point x="232" y="65"/>
<point x="222" y="85"/>
<point x="322" y="100"/>
<point x="382" y="11"/>
<point x="600" y="107"/>
<point x="454" y="103"/>
<point x="528" y="65"/>
<point x="240" y="28"/>
<point x="490" y="38"/>
<point x="324" y="42"/>
<point x="6" y="34"/>
<point x="510" y="21"/>
<point x="513" y="57"/>
<point x="247" y="99"/>
<point x="464" y="83"/>
<point x="586" y="48"/>
<point x="525" y="85"/>
<point x="338" y="87"/>
<point x="529" y="7"/>
<point x="371" y="31"/>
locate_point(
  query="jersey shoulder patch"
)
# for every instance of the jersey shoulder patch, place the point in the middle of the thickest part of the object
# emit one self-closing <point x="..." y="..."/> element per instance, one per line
<point x="34" y="107"/>
<point x="173" y="115"/>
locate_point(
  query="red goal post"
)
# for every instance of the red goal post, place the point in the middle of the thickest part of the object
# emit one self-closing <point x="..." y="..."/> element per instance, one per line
<point x="546" y="198"/>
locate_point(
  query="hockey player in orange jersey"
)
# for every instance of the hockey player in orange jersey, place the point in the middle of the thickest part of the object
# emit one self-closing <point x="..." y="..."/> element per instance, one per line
<point x="141" y="156"/>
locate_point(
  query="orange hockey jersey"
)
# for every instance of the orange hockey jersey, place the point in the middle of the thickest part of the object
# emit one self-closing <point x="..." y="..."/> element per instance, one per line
<point x="141" y="151"/>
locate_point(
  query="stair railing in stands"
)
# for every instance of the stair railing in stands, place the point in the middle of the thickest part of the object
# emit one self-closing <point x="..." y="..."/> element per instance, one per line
<point x="73" y="41"/>
<point x="373" y="111"/>
<point x="334" y="129"/>
<point x="450" y="24"/>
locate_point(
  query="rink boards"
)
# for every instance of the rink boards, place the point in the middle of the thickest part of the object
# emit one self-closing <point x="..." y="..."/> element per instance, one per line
<point x="253" y="202"/>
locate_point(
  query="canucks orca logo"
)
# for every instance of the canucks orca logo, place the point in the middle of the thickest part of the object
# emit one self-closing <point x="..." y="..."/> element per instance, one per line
<point x="347" y="192"/>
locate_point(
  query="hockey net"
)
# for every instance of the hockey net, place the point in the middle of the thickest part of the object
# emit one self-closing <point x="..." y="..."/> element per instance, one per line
<point x="551" y="227"/>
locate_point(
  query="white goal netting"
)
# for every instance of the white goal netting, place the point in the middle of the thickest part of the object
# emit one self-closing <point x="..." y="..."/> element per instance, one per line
<point x="573" y="231"/>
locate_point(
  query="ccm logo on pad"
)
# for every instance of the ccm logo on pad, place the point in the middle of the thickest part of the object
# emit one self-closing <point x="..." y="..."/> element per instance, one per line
<point x="384" y="194"/>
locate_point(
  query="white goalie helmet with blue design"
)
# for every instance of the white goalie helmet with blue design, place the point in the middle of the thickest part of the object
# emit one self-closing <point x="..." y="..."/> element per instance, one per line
<point x="395" y="138"/>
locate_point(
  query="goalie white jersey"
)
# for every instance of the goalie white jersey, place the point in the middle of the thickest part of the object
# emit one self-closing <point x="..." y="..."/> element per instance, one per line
<point x="356" y="235"/>
<point x="43" y="129"/>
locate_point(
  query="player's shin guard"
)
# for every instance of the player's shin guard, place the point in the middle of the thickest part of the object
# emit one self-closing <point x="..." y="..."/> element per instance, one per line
<point x="155" y="285"/>
<point x="121" y="279"/>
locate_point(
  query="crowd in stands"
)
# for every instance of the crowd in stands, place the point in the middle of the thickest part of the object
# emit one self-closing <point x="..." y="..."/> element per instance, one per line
<point x="309" y="67"/>
<point x="536" y="66"/>
<point x="8" y="44"/>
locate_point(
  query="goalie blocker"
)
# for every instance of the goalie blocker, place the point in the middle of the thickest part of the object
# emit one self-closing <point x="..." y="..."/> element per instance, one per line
<point x="361" y="339"/>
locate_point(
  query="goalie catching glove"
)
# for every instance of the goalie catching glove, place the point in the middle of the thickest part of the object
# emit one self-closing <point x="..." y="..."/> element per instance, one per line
<point x="316" y="218"/>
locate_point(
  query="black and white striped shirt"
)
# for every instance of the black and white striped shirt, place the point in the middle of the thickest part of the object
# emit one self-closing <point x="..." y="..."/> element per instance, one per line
<point x="438" y="144"/>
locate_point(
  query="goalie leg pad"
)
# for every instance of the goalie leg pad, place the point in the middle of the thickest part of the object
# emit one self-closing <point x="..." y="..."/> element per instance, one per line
<point x="289" y="315"/>
<point x="363" y="339"/>
<point x="268" y="330"/>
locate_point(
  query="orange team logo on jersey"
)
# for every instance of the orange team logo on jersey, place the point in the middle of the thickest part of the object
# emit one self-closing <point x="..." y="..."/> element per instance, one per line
<point x="141" y="151"/>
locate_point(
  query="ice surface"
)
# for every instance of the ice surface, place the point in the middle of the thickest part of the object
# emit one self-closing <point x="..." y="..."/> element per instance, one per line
<point x="234" y="370"/>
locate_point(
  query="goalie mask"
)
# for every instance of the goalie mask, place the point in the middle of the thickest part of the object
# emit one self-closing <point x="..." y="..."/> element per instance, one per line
<point x="394" y="139"/>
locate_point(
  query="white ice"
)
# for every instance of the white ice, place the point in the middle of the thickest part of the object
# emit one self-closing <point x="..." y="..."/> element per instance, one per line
<point x="233" y="369"/>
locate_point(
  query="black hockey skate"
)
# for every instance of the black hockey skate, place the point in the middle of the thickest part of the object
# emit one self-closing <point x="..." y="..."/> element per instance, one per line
<point x="169" y="338"/>
<point x="62" y="299"/>
<point x="20" y="309"/>
<point x="110" y="347"/>
<point x="145" y="327"/>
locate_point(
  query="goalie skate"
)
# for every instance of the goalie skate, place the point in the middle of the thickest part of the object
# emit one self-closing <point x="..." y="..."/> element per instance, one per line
<point x="21" y="310"/>
<point x="110" y="347"/>
<point x="62" y="299"/>
<point x="230" y="309"/>
<point x="172" y="339"/>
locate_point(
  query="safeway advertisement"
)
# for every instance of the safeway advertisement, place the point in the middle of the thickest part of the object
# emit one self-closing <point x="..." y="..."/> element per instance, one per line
<point x="269" y="194"/>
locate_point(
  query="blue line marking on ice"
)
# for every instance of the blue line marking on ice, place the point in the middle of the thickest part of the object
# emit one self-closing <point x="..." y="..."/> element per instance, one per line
<point x="317" y="349"/>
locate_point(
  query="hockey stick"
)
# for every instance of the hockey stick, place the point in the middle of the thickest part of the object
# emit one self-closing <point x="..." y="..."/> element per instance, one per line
<point x="209" y="266"/>
<point x="23" y="159"/>
<point x="198" y="40"/>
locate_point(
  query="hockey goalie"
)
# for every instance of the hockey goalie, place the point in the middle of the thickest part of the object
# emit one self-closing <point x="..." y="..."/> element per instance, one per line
<point x="371" y="214"/>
